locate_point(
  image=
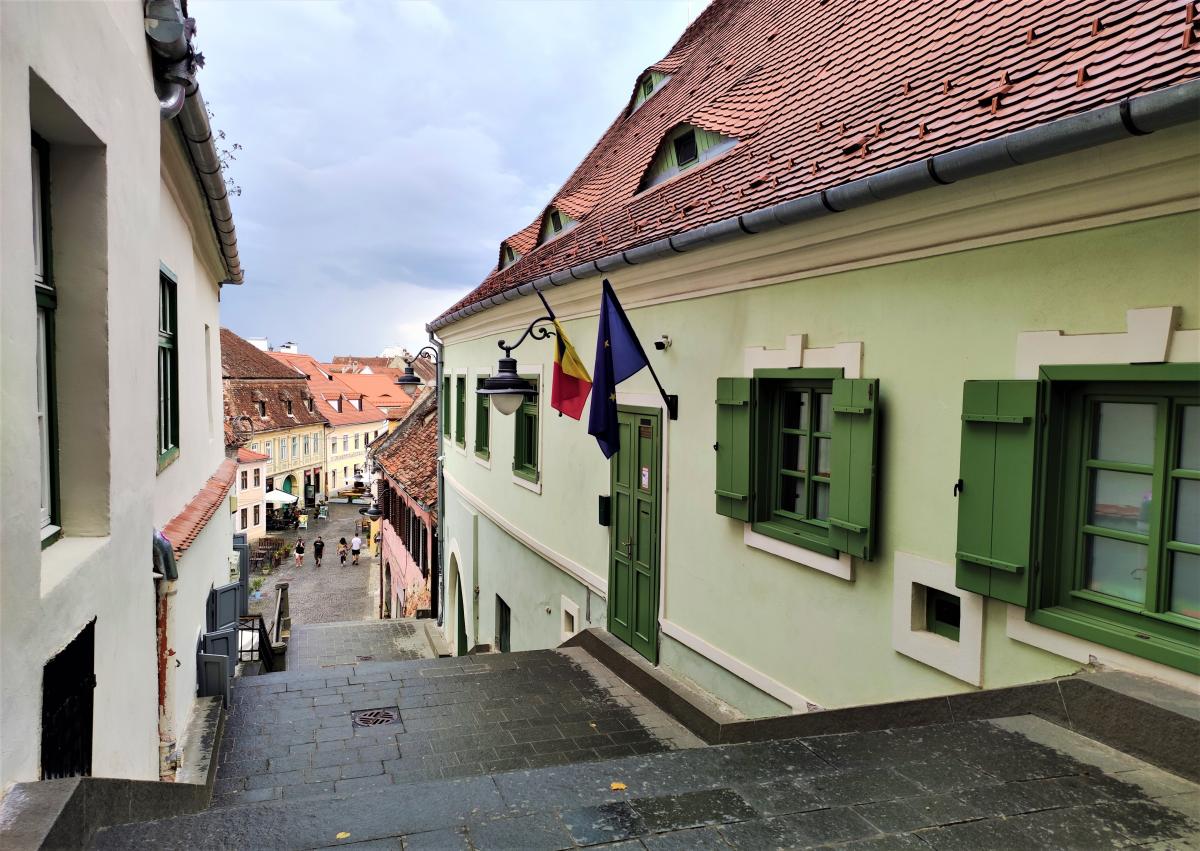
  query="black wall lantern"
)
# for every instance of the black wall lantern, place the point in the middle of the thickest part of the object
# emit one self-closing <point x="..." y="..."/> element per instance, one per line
<point x="505" y="388"/>
<point x="410" y="378"/>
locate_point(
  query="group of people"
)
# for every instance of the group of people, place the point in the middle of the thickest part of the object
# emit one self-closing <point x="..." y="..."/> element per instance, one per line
<point x="352" y="549"/>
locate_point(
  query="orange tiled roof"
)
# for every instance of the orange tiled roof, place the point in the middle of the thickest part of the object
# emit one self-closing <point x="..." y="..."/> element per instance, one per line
<point x="819" y="93"/>
<point x="185" y="526"/>
<point x="240" y="359"/>
<point x="382" y="391"/>
<point x="408" y="455"/>
<point x="249" y="456"/>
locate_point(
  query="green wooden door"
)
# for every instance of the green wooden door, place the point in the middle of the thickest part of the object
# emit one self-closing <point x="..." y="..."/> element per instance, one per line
<point x="634" y="533"/>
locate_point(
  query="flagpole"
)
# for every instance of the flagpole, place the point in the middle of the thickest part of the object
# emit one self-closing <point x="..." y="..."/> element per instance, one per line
<point x="669" y="399"/>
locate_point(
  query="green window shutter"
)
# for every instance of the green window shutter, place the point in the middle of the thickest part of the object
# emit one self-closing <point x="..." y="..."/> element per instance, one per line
<point x="734" y="448"/>
<point x="996" y="502"/>
<point x="853" y="467"/>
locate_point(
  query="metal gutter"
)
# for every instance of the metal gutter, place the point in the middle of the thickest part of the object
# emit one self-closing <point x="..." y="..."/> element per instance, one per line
<point x="169" y="34"/>
<point x="1131" y="117"/>
<point x="440" y="404"/>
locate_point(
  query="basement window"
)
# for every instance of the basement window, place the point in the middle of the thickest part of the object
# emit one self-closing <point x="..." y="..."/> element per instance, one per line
<point x="942" y="613"/>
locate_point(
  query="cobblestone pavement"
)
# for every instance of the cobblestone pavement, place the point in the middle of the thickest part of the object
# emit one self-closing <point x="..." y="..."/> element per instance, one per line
<point x="327" y="593"/>
<point x="324" y="645"/>
<point x="1018" y="783"/>
<point x="293" y="734"/>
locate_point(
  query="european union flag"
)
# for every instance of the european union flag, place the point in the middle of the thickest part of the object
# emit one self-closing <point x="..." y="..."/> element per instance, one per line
<point x="619" y="355"/>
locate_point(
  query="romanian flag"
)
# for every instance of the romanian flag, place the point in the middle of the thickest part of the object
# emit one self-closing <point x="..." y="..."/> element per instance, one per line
<point x="571" y="380"/>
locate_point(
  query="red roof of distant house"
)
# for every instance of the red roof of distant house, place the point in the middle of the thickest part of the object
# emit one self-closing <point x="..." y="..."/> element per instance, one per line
<point x="409" y="454"/>
<point x="248" y="456"/>
<point x="354" y="408"/>
<point x="818" y="94"/>
<point x="184" y="527"/>
<point x="381" y="390"/>
<point x="240" y="359"/>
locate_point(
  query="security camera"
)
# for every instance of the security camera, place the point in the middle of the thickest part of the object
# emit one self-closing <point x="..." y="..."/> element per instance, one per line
<point x="662" y="343"/>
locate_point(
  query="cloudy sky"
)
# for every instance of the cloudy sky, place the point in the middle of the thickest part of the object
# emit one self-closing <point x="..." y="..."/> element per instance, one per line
<point x="387" y="148"/>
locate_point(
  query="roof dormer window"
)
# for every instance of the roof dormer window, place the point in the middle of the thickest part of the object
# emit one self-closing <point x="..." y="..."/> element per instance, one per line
<point x="336" y="404"/>
<point x="507" y="255"/>
<point x="356" y="404"/>
<point x="684" y="147"/>
<point x="308" y="403"/>
<point x="648" y="84"/>
<point x="288" y="403"/>
<point x="554" y="224"/>
<point x="262" y="410"/>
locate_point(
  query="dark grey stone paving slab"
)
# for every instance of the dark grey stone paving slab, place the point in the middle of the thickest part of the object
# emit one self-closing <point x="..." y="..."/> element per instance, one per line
<point x="293" y="734"/>
<point x="318" y="647"/>
<point x="792" y="794"/>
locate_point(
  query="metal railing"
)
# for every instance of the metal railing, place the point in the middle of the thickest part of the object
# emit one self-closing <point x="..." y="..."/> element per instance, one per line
<point x="258" y="648"/>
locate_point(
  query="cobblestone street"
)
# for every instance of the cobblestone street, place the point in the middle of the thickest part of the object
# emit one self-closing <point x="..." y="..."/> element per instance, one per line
<point x="328" y="593"/>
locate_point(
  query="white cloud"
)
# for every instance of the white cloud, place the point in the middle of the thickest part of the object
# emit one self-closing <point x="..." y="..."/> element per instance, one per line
<point x="388" y="148"/>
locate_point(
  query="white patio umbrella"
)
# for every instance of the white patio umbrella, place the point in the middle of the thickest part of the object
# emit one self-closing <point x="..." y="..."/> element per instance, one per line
<point x="278" y="497"/>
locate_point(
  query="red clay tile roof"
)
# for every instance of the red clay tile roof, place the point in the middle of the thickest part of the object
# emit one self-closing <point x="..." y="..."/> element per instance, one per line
<point x="185" y="526"/>
<point x="240" y="359"/>
<point x="356" y="360"/>
<point x="382" y="391"/>
<point x="249" y="456"/>
<point x="243" y="395"/>
<point x="408" y="455"/>
<point x="348" y="415"/>
<point x="821" y="93"/>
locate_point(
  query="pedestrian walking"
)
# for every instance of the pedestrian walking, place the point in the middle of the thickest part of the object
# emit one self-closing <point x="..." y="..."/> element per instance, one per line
<point x="342" y="551"/>
<point x="355" y="547"/>
<point x="318" y="550"/>
<point x="299" y="551"/>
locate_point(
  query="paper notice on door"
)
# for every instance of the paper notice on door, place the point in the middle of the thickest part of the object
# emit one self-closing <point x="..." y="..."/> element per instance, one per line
<point x="645" y="478"/>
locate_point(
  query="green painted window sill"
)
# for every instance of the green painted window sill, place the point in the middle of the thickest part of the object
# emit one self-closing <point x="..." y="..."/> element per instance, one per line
<point x="1136" y="642"/>
<point x="791" y="536"/>
<point x="167" y="458"/>
<point x="526" y="473"/>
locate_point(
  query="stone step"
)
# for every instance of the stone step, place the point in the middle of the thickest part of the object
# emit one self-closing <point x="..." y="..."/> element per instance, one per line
<point x="1016" y="783"/>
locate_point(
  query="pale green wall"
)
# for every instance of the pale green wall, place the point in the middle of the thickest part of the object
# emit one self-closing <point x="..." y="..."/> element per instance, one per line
<point x="926" y="325"/>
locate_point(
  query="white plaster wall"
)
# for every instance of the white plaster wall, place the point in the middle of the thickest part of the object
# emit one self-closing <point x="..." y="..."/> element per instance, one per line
<point x="201" y="437"/>
<point x="93" y="58"/>
<point x="205" y="564"/>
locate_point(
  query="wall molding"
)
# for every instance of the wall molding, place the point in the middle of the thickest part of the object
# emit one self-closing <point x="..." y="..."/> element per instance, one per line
<point x="1151" y="335"/>
<point x="798" y="702"/>
<point x="572" y="568"/>
<point x="962" y="659"/>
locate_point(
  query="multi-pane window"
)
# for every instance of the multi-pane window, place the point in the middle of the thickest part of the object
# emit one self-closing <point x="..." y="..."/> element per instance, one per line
<point x="460" y="410"/>
<point x="245" y="479"/>
<point x="1134" y="541"/>
<point x="244" y="518"/>
<point x="345" y="443"/>
<point x="295" y="446"/>
<point x="525" y="454"/>
<point x="307" y="449"/>
<point x="356" y="440"/>
<point x="799" y="439"/>
<point x="333" y="446"/>
<point x="446" y="406"/>
<point x="257" y="515"/>
<point x="47" y="301"/>
<point x="283" y="449"/>
<point x="168" y="371"/>
<point x="481" y="422"/>
<point x="257" y="476"/>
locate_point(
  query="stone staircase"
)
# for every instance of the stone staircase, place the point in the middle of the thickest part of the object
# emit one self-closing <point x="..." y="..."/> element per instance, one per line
<point x="1014" y="783"/>
<point x="548" y="749"/>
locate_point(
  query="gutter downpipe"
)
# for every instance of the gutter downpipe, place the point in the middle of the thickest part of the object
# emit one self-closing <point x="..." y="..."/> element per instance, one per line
<point x="1138" y="116"/>
<point x="169" y="34"/>
<point x="441" y="483"/>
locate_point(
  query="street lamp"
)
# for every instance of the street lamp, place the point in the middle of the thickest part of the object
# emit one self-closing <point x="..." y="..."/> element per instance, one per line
<point x="410" y="378"/>
<point x="372" y="513"/>
<point x="506" y="389"/>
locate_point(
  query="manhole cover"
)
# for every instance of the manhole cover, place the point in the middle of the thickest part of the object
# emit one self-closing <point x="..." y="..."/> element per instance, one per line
<point x="374" y="717"/>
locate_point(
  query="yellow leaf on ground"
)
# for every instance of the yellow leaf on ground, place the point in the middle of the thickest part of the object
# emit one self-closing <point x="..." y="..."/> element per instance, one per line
<point x="617" y="786"/>
<point x="343" y="835"/>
